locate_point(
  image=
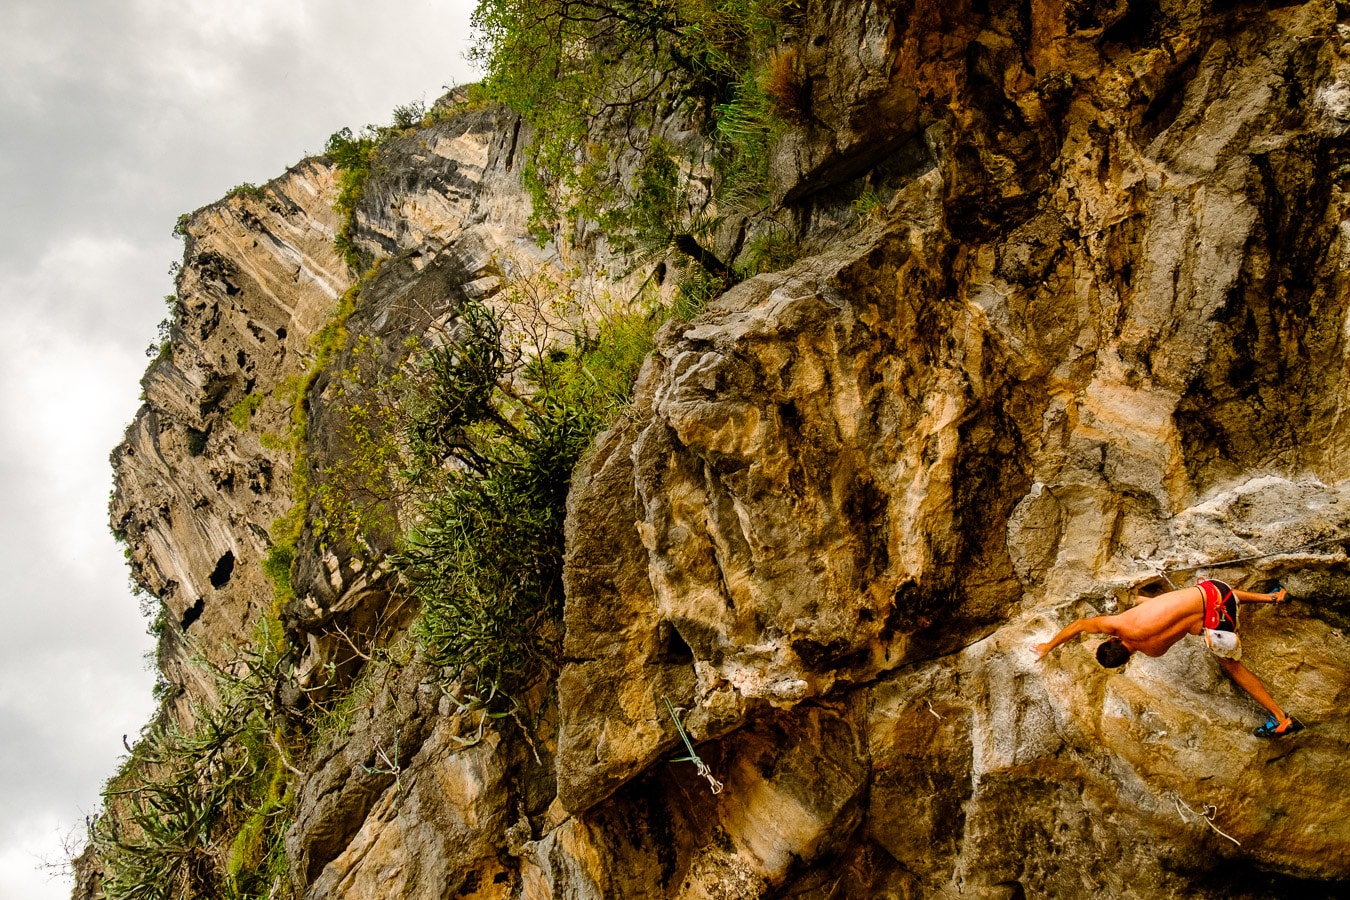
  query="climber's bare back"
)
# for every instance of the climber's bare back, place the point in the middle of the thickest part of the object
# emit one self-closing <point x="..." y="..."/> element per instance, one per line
<point x="1158" y="622"/>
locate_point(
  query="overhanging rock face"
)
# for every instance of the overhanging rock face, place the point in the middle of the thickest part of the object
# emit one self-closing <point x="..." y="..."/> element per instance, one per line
<point x="864" y="487"/>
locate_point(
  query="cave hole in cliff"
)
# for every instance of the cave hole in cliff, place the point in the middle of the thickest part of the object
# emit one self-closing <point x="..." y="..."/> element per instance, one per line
<point x="224" y="569"/>
<point x="1153" y="587"/>
<point x="1138" y="26"/>
<point x="193" y="613"/>
<point x="671" y="647"/>
<point x="196" y="440"/>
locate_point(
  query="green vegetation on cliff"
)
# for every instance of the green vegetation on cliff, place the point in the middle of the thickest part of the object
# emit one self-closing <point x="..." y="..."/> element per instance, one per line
<point x="353" y="154"/>
<point x="462" y="457"/>
<point x="200" y="811"/>
<point x="490" y="436"/>
<point x="286" y="531"/>
<point x="495" y="434"/>
<point x="579" y="69"/>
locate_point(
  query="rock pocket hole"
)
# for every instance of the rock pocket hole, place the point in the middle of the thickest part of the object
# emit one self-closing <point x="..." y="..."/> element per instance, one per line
<point x="196" y="441"/>
<point x="224" y="569"/>
<point x="193" y="613"/>
<point x="671" y="647"/>
<point x="1152" y="589"/>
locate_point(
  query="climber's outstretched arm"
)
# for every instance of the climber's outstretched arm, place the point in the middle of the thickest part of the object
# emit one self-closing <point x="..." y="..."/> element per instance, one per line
<point x="1249" y="597"/>
<point x="1094" y="625"/>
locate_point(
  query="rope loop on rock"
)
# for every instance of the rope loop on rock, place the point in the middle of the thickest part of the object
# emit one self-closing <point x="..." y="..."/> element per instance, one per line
<point x="1208" y="815"/>
<point x="704" y="770"/>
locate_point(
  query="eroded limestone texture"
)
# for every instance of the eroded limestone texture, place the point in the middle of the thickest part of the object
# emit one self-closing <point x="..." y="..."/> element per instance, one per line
<point x="1044" y="383"/>
<point x="195" y="494"/>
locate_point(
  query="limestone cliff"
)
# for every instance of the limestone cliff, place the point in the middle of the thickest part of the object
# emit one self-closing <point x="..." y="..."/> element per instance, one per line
<point x="1069" y="327"/>
<point x="195" y="494"/>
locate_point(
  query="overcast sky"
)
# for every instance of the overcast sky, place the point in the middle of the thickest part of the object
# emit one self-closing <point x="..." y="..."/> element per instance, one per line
<point x="115" y="117"/>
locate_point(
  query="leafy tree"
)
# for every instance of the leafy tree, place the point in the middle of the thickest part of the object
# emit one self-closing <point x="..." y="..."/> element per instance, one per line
<point x="457" y="393"/>
<point x="409" y="115"/>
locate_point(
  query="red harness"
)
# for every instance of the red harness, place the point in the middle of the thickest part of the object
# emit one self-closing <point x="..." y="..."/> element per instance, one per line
<point x="1220" y="605"/>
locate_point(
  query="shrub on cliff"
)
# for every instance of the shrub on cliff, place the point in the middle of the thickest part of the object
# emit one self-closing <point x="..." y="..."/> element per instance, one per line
<point x="495" y="434"/>
<point x="201" y="811"/>
<point x="352" y="155"/>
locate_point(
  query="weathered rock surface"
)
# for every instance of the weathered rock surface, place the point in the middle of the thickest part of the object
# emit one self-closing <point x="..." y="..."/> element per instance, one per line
<point x="1093" y="340"/>
<point x="1042" y="384"/>
<point x="195" y="495"/>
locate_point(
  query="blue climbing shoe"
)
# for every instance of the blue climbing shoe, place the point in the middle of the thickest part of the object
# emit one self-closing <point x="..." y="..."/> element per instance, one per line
<point x="1275" y="728"/>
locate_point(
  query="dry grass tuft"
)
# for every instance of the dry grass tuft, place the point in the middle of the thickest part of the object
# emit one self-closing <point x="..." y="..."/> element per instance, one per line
<point x="787" y="88"/>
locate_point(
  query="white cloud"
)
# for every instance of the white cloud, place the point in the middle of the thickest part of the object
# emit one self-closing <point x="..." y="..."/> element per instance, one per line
<point x="242" y="21"/>
<point x="33" y="50"/>
<point x="202" y="48"/>
<point x="23" y="864"/>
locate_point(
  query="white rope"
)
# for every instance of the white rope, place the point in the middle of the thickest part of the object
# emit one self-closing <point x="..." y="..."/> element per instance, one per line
<point x="1208" y="815"/>
<point x="1242" y="559"/>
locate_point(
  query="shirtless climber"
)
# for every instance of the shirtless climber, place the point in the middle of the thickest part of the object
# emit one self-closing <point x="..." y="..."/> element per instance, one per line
<point x="1156" y="623"/>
